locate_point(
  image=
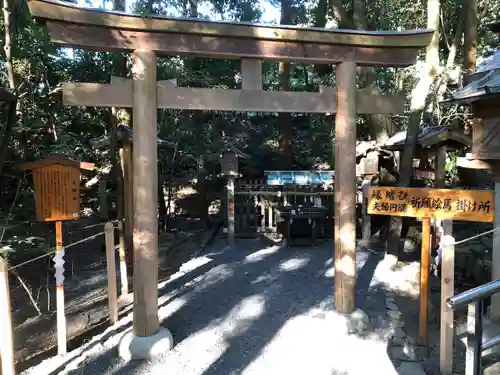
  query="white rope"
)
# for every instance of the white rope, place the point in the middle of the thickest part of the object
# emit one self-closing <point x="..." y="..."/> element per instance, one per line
<point x="54" y="251"/>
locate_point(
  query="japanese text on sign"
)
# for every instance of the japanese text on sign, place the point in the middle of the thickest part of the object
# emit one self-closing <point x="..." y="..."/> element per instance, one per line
<point x="443" y="204"/>
<point x="57" y="193"/>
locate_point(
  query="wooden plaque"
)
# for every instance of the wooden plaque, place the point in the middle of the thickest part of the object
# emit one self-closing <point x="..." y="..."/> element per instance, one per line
<point x="57" y="192"/>
<point x="442" y="204"/>
<point x="57" y="187"/>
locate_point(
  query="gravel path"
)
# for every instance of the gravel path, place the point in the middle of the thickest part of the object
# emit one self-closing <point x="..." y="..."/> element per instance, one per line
<point x="252" y="310"/>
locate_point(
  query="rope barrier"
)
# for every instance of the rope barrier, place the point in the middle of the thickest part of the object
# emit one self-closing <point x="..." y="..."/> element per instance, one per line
<point x="475" y="236"/>
<point x="101" y="233"/>
<point x="53" y="251"/>
<point x="285" y="193"/>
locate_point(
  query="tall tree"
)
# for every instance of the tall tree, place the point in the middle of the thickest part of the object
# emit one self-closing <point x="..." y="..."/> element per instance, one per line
<point x="470" y="36"/>
<point x="11" y="117"/>
<point x="285" y="119"/>
<point x="419" y="99"/>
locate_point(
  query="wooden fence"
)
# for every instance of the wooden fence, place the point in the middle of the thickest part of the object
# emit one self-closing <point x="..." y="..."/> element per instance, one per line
<point x="256" y="203"/>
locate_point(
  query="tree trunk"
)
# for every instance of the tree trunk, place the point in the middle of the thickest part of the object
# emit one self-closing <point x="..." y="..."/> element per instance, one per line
<point x="381" y="126"/>
<point x="284" y="119"/>
<point x="12" y="112"/>
<point x="419" y="100"/>
<point x="470" y="36"/>
<point x="162" y="205"/>
<point x="452" y="55"/>
<point x="197" y="120"/>
<point x="119" y="69"/>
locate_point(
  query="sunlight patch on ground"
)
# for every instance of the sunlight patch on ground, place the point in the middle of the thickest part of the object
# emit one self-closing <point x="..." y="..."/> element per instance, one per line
<point x="241" y="317"/>
<point x="308" y="347"/>
<point x="195" y="263"/>
<point x="264" y="279"/>
<point x="293" y="264"/>
<point x="330" y="273"/>
<point x="172" y="307"/>
<point x="261" y="254"/>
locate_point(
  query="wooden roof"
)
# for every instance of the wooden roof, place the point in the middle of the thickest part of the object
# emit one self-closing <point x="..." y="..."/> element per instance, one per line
<point x="480" y="86"/>
<point x="430" y="137"/>
<point x="70" y="26"/>
<point x="54" y="159"/>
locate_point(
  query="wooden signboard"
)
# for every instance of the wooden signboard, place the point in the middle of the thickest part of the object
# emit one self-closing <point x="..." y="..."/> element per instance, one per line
<point x="57" y="188"/>
<point x="57" y="198"/>
<point x="57" y="193"/>
<point x="441" y="204"/>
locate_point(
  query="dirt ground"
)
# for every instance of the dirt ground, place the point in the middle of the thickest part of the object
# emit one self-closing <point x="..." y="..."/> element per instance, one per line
<point x="85" y="285"/>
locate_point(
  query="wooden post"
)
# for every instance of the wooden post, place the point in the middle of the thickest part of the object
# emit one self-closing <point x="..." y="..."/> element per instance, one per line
<point x="495" y="257"/>
<point x="473" y="357"/>
<point x="447" y="273"/>
<point x="447" y="291"/>
<point x="7" y="342"/>
<point x="111" y="267"/>
<point x="251" y="79"/>
<point x="59" y="270"/>
<point x="424" y="280"/>
<point x="128" y="205"/>
<point x="367" y="222"/>
<point x="230" y="211"/>
<point x="146" y="322"/>
<point x="123" y="263"/>
<point x="345" y="189"/>
<point x="103" y="199"/>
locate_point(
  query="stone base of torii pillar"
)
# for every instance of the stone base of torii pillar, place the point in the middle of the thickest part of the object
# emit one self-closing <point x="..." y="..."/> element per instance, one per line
<point x="148" y="347"/>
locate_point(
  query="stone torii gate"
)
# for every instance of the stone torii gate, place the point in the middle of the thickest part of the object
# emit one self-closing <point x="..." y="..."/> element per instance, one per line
<point x="147" y="38"/>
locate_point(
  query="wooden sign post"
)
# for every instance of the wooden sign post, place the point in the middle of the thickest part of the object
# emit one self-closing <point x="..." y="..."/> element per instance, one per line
<point x="229" y="167"/>
<point x="7" y="342"/>
<point x="57" y="198"/>
<point x="441" y="204"/>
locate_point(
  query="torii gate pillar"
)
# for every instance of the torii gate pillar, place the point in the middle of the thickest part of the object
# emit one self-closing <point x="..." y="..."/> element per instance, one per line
<point x="345" y="188"/>
<point x="148" y="338"/>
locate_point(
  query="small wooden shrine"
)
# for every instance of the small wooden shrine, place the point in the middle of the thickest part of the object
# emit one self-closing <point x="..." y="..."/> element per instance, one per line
<point x="432" y="141"/>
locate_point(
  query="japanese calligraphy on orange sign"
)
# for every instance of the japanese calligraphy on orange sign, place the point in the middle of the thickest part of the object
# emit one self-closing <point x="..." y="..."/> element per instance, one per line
<point x="442" y="204"/>
<point x="57" y="193"/>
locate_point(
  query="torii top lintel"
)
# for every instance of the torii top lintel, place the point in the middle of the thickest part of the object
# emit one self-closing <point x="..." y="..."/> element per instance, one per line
<point x="100" y="30"/>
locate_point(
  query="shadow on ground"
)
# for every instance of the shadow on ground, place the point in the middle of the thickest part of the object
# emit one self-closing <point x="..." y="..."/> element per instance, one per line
<point x="253" y="309"/>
